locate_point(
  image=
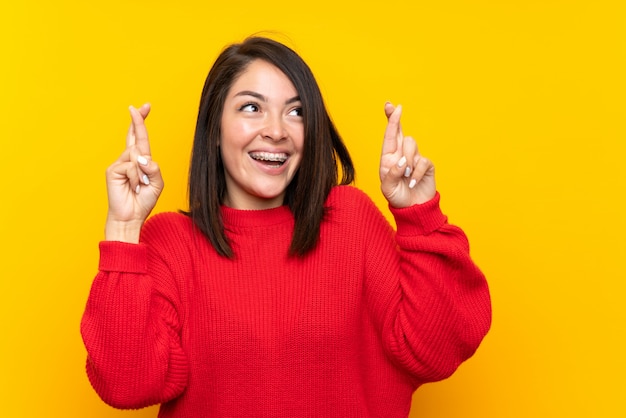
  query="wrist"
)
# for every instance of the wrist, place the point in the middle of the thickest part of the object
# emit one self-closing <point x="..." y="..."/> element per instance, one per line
<point x="124" y="231"/>
<point x="420" y="219"/>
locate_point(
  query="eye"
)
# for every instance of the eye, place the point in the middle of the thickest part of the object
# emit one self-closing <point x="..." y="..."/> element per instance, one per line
<point x="249" y="107"/>
<point x="295" y="112"/>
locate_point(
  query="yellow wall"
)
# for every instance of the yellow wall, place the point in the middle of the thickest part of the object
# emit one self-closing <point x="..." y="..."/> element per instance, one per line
<point x="520" y="103"/>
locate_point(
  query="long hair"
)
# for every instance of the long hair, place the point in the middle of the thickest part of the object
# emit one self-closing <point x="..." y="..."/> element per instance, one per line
<point x="318" y="171"/>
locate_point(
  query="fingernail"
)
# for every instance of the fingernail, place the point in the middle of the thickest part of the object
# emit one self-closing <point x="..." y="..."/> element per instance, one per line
<point x="145" y="179"/>
<point x="412" y="183"/>
<point x="137" y="189"/>
<point x="407" y="172"/>
<point x="402" y="161"/>
<point x="142" y="160"/>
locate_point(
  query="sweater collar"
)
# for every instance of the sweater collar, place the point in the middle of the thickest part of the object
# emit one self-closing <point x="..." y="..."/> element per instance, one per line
<point x="255" y="218"/>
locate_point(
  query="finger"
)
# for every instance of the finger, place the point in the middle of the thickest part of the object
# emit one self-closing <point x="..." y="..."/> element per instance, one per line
<point x="144" y="110"/>
<point x="423" y="166"/>
<point x="409" y="150"/>
<point x="139" y="130"/>
<point x="141" y="163"/>
<point x="393" y="133"/>
<point x="389" y="108"/>
<point x="396" y="172"/>
<point x="137" y="118"/>
<point x="151" y="175"/>
<point x="123" y="173"/>
<point x="147" y="176"/>
<point x="130" y="135"/>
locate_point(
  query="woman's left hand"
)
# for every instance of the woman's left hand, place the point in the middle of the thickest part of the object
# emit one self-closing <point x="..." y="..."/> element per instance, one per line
<point x="406" y="177"/>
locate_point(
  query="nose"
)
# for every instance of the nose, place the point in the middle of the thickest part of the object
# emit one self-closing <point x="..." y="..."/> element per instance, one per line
<point x="274" y="128"/>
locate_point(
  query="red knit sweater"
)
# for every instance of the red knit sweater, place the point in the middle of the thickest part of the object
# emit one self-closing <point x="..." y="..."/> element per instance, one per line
<point x="349" y="330"/>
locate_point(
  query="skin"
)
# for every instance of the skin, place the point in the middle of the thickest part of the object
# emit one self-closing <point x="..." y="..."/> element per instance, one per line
<point x="130" y="199"/>
<point x="267" y="120"/>
<point x="406" y="177"/>
<point x="261" y="117"/>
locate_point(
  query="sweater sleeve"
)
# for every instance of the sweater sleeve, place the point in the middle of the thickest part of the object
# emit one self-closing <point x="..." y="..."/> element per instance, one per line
<point x="433" y="304"/>
<point x="131" y="329"/>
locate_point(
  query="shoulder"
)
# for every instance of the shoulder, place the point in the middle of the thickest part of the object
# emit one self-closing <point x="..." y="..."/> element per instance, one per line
<point x="352" y="202"/>
<point x="167" y="225"/>
<point x="348" y="195"/>
<point x="169" y="218"/>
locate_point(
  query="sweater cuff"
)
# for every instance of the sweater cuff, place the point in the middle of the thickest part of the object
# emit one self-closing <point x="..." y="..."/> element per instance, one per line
<point x="421" y="219"/>
<point x="123" y="257"/>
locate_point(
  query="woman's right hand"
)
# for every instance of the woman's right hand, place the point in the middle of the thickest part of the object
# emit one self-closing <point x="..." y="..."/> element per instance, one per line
<point x="134" y="183"/>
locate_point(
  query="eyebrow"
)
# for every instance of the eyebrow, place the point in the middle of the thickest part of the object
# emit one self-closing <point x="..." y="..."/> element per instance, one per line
<point x="263" y="98"/>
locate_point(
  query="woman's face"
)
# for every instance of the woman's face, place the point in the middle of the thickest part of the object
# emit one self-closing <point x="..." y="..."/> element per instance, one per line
<point x="262" y="137"/>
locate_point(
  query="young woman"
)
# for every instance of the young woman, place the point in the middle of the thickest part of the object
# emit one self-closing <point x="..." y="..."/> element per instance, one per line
<point x="283" y="291"/>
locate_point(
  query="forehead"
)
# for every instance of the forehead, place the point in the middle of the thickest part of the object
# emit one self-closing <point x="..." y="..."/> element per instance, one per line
<point x="263" y="77"/>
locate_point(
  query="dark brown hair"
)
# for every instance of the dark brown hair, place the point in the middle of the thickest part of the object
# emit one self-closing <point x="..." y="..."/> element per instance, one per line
<point x="318" y="171"/>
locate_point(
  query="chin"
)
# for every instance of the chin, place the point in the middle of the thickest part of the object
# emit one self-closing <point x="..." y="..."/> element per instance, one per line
<point x="270" y="192"/>
<point x="270" y="197"/>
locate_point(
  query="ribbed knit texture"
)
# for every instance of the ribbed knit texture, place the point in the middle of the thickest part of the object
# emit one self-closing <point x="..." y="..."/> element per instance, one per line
<point x="349" y="330"/>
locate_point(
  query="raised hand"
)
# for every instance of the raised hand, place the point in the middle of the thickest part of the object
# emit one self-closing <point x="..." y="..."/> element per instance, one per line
<point x="406" y="177"/>
<point x="134" y="183"/>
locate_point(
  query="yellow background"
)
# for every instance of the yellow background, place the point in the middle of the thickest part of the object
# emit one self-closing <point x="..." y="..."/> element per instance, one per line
<point x="520" y="103"/>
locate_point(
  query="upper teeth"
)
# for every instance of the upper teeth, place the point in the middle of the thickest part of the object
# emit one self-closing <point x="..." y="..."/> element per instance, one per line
<point x="269" y="156"/>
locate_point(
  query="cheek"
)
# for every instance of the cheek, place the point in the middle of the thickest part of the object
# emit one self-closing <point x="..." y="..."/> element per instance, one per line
<point x="297" y="136"/>
<point x="299" y="146"/>
<point x="235" y="135"/>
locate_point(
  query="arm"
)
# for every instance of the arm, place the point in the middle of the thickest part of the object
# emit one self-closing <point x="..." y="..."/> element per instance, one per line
<point x="131" y="329"/>
<point x="130" y="326"/>
<point x="445" y="296"/>
<point x="436" y="306"/>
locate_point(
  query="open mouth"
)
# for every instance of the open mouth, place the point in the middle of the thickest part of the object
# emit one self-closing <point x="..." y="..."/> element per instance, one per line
<point x="269" y="158"/>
